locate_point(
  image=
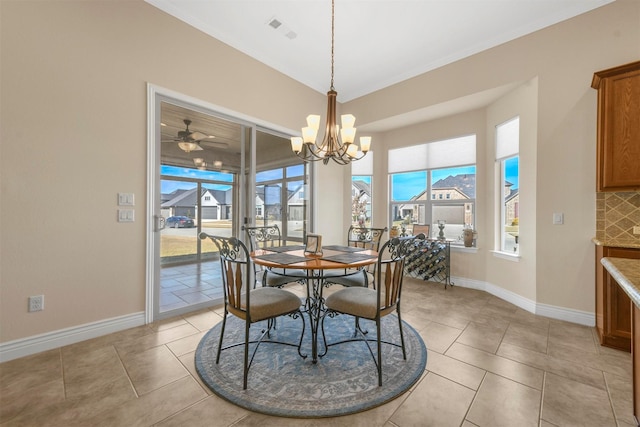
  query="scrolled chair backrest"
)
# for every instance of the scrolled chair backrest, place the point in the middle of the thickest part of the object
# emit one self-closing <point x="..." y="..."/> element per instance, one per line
<point x="235" y="264"/>
<point x="261" y="237"/>
<point x="365" y="237"/>
<point x="390" y="270"/>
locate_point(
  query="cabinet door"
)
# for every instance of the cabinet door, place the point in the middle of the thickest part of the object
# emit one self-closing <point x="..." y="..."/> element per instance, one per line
<point x="635" y="352"/>
<point x="618" y="324"/>
<point x="617" y="305"/>
<point x="619" y="130"/>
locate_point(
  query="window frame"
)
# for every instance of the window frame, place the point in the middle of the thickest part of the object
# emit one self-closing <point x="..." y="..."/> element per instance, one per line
<point x="506" y="151"/>
<point x="426" y="206"/>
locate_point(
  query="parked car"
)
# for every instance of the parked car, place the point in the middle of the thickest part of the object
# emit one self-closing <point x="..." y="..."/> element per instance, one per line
<point x="180" y="222"/>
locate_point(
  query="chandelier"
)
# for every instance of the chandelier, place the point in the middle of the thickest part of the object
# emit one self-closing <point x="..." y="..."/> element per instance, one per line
<point x="341" y="150"/>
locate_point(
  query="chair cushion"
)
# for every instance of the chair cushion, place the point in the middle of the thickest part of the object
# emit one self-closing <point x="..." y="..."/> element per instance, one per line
<point x="356" y="279"/>
<point x="271" y="302"/>
<point x="357" y="301"/>
<point x="281" y="276"/>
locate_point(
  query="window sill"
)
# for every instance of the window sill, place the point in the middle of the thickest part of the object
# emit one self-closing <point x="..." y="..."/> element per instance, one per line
<point x="507" y="256"/>
<point x="465" y="249"/>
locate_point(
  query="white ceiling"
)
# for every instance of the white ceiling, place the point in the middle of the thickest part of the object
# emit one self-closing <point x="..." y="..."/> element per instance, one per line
<point x="377" y="42"/>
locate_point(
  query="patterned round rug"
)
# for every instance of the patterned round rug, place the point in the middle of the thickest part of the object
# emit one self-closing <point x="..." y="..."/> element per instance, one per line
<point x="282" y="383"/>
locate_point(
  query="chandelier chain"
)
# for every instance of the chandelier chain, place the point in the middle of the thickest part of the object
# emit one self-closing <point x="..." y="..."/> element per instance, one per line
<point x="338" y="143"/>
<point x="332" y="38"/>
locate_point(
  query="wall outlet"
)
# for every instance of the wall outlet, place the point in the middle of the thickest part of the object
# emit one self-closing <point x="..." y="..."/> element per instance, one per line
<point x="36" y="303"/>
<point x="636" y="229"/>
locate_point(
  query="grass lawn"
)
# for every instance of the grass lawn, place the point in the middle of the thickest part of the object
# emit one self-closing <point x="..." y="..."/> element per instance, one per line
<point x="187" y="245"/>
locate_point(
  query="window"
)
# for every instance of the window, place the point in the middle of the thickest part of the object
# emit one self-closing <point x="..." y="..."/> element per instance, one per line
<point x="507" y="162"/>
<point x="434" y="182"/>
<point x="362" y="191"/>
<point x="282" y="199"/>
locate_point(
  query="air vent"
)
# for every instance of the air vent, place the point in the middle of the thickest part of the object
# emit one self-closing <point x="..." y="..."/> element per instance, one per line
<point x="274" y="23"/>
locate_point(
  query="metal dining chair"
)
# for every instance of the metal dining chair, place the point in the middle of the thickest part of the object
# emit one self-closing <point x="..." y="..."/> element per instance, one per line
<point x="359" y="237"/>
<point x="374" y="304"/>
<point x="266" y="237"/>
<point x="250" y="305"/>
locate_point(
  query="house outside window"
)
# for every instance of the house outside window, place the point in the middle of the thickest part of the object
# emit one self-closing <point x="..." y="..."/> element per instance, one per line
<point x="362" y="192"/>
<point x="508" y="165"/>
<point x="434" y="182"/>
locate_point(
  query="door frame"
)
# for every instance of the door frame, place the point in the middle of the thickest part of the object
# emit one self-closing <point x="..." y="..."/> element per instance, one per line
<point x="156" y="94"/>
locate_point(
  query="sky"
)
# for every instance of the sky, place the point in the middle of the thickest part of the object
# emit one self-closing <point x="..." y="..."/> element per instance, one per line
<point x="168" y="186"/>
<point x="410" y="184"/>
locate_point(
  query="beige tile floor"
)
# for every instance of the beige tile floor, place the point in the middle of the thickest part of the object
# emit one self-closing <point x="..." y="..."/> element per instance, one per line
<point x="188" y="284"/>
<point x="489" y="364"/>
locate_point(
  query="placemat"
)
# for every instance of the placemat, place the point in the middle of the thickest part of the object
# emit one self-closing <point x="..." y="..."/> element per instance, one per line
<point x="284" y="248"/>
<point x="347" y="258"/>
<point x="343" y="248"/>
<point x="282" y="258"/>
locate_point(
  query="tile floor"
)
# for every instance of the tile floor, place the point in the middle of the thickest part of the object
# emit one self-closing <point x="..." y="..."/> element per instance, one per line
<point x="184" y="285"/>
<point x="489" y="364"/>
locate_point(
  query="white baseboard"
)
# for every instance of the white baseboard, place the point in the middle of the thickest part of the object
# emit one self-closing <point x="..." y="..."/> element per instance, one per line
<point x="560" y="313"/>
<point x="31" y="345"/>
<point x="574" y="316"/>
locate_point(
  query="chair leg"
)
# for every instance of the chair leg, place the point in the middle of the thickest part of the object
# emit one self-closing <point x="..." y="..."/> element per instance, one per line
<point x="404" y="351"/>
<point x="359" y="328"/>
<point x="224" y="323"/>
<point x="379" y="352"/>
<point x="324" y="337"/>
<point x="246" y="354"/>
<point x="304" y="356"/>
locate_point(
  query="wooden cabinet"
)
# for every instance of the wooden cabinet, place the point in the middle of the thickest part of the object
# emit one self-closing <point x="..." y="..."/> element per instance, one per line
<point x="635" y="354"/>
<point x="618" y="144"/>
<point x="613" y="305"/>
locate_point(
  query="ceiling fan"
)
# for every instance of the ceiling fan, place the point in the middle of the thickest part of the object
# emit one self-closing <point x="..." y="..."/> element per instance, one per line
<point x="189" y="140"/>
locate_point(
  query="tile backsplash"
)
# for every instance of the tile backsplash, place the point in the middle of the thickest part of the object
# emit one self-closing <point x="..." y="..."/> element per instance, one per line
<point x="616" y="215"/>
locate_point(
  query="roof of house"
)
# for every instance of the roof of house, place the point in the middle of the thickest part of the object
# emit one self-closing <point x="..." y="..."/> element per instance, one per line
<point x="362" y="186"/>
<point x="464" y="183"/>
<point x="188" y="197"/>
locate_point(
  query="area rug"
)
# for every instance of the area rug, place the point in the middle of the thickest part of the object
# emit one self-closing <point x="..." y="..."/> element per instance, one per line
<point x="281" y="383"/>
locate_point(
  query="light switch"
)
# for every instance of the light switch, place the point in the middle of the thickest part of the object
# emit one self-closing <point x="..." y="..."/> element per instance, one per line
<point x="558" y="218"/>
<point x="126" y="215"/>
<point x="125" y="199"/>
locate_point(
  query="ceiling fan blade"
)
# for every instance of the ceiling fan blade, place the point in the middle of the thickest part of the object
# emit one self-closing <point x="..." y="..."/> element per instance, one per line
<point x="214" y="144"/>
<point x="198" y="135"/>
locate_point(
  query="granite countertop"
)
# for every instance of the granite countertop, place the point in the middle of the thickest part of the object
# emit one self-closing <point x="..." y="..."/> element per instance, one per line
<point x="627" y="273"/>
<point x="616" y="243"/>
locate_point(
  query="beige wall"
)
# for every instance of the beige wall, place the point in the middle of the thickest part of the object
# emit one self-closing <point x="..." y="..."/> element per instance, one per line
<point x="73" y="109"/>
<point x="73" y="106"/>
<point x="557" y="264"/>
